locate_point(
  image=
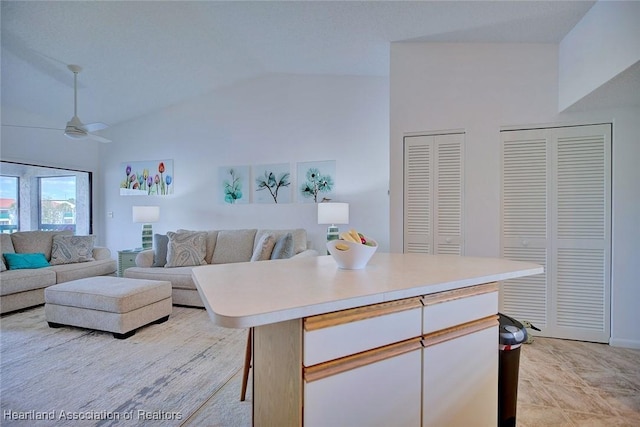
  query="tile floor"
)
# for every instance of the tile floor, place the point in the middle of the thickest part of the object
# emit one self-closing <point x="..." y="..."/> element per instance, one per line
<point x="573" y="383"/>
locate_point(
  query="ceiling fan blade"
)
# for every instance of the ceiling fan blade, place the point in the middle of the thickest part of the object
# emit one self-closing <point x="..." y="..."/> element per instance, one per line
<point x="92" y="127"/>
<point x="97" y="137"/>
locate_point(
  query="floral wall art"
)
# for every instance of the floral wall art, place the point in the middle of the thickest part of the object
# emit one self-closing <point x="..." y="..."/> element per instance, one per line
<point x="316" y="181"/>
<point x="272" y="183"/>
<point x="147" y="178"/>
<point x="235" y="184"/>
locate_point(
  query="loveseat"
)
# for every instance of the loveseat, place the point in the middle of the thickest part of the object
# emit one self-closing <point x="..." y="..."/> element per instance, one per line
<point x="175" y="254"/>
<point x="33" y="260"/>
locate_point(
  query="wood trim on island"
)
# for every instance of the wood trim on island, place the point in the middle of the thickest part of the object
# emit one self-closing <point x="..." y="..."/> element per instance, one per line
<point x="360" y="313"/>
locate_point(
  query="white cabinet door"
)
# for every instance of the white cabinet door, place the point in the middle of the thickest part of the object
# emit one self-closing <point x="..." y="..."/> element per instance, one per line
<point x="384" y="393"/>
<point x="461" y="381"/>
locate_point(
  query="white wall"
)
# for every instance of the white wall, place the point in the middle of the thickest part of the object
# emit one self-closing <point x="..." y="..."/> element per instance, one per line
<point x="273" y="119"/>
<point x="602" y="45"/>
<point x="481" y="88"/>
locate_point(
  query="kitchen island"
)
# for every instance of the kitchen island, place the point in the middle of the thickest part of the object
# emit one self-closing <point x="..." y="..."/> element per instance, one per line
<point x="412" y="339"/>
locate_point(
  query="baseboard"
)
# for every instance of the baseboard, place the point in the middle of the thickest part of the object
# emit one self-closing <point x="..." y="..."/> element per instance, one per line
<point x="620" y="342"/>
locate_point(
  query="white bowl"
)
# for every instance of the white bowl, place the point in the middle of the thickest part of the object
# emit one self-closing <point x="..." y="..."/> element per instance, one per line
<point x="355" y="257"/>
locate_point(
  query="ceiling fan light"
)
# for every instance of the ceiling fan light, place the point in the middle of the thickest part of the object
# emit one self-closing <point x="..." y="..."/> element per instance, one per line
<point x="74" y="133"/>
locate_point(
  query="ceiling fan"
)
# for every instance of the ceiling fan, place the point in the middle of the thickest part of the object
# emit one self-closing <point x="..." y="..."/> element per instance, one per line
<point x="75" y="128"/>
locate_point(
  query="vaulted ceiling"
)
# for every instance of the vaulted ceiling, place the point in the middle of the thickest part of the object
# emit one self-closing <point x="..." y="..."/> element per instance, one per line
<point x="141" y="56"/>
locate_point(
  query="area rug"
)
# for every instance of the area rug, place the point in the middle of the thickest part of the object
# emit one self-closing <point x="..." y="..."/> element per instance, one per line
<point x="160" y="376"/>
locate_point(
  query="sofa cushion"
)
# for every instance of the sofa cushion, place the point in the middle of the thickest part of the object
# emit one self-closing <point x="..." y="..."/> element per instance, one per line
<point x="15" y="281"/>
<point x="22" y="261"/>
<point x="160" y="245"/>
<point x="264" y="248"/>
<point x="233" y="246"/>
<point x="283" y="248"/>
<point x="186" y="248"/>
<point x="82" y="270"/>
<point x="6" y="246"/>
<point x="72" y="249"/>
<point x="35" y="241"/>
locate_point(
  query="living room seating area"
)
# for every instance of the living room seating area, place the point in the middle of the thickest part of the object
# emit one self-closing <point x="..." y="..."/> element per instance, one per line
<point x="175" y="254"/>
<point x="33" y="260"/>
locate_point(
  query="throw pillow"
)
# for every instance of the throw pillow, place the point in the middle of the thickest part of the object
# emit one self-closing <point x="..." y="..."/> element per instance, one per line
<point x="21" y="261"/>
<point x="31" y="242"/>
<point x="186" y="249"/>
<point x="160" y="243"/>
<point x="264" y="248"/>
<point x="283" y="247"/>
<point x="3" y="266"/>
<point x="72" y="249"/>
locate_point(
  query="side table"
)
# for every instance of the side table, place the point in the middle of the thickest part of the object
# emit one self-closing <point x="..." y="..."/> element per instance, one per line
<point x="126" y="259"/>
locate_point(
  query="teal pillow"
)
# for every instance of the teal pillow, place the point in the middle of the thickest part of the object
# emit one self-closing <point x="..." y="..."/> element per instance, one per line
<point x="21" y="261"/>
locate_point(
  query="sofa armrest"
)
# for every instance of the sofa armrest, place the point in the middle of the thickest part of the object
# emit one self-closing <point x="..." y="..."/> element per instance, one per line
<point x="145" y="258"/>
<point x="100" y="252"/>
<point x="305" y="253"/>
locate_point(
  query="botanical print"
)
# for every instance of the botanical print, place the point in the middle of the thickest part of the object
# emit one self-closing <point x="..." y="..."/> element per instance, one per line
<point x="315" y="181"/>
<point x="235" y="184"/>
<point x="147" y="178"/>
<point x="272" y="183"/>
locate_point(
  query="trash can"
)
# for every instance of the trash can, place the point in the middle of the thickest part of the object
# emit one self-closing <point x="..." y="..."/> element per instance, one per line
<point x="512" y="335"/>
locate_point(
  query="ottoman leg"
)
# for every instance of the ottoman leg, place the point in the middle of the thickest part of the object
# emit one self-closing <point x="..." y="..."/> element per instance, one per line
<point x="124" y="336"/>
<point x="161" y="320"/>
<point x="55" y="325"/>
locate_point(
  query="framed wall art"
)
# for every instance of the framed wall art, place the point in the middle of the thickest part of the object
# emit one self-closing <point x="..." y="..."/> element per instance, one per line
<point x="316" y="181"/>
<point x="147" y="178"/>
<point x="234" y="184"/>
<point x="272" y="183"/>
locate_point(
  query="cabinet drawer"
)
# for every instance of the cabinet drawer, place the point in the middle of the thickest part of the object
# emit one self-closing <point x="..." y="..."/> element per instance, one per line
<point x="383" y="393"/>
<point x="451" y="308"/>
<point x="334" y="335"/>
<point x="129" y="259"/>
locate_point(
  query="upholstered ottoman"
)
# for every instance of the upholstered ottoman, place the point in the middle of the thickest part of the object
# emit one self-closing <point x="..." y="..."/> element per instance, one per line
<point x="106" y="303"/>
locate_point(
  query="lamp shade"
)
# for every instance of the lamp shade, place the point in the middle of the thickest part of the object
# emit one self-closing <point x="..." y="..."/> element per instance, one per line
<point x="333" y="213"/>
<point x="146" y="214"/>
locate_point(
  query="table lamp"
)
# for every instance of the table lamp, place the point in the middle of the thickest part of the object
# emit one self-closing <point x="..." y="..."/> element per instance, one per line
<point x="146" y="215"/>
<point x="333" y="213"/>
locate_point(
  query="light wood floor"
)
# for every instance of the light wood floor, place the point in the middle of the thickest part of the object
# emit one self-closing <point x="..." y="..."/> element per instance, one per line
<point x="562" y="383"/>
<point x="572" y="383"/>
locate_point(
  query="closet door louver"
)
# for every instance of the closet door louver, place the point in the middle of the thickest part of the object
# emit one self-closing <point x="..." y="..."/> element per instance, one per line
<point x="418" y="190"/>
<point x="433" y="194"/>
<point x="524" y="222"/>
<point x="556" y="208"/>
<point x="448" y="201"/>
<point x="582" y="233"/>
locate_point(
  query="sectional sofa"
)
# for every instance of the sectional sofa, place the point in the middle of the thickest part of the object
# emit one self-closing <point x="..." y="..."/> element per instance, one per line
<point x="34" y="260"/>
<point x="175" y="254"/>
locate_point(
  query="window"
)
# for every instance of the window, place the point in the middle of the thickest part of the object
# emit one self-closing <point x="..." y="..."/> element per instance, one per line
<point x="45" y="198"/>
<point x="57" y="203"/>
<point x="8" y="204"/>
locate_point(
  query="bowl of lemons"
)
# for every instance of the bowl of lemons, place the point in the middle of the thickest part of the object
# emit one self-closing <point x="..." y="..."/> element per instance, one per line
<point x="353" y="250"/>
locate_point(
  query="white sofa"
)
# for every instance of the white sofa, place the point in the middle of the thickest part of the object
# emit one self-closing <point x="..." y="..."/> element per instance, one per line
<point x="220" y="246"/>
<point x="24" y="287"/>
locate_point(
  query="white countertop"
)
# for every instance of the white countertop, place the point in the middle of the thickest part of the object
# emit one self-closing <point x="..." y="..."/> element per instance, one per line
<point x="248" y="294"/>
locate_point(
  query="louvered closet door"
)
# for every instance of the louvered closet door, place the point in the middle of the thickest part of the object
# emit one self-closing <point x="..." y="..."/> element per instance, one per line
<point x="556" y="206"/>
<point x="418" y="194"/>
<point x="524" y="222"/>
<point x="581" y="246"/>
<point x="433" y="194"/>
